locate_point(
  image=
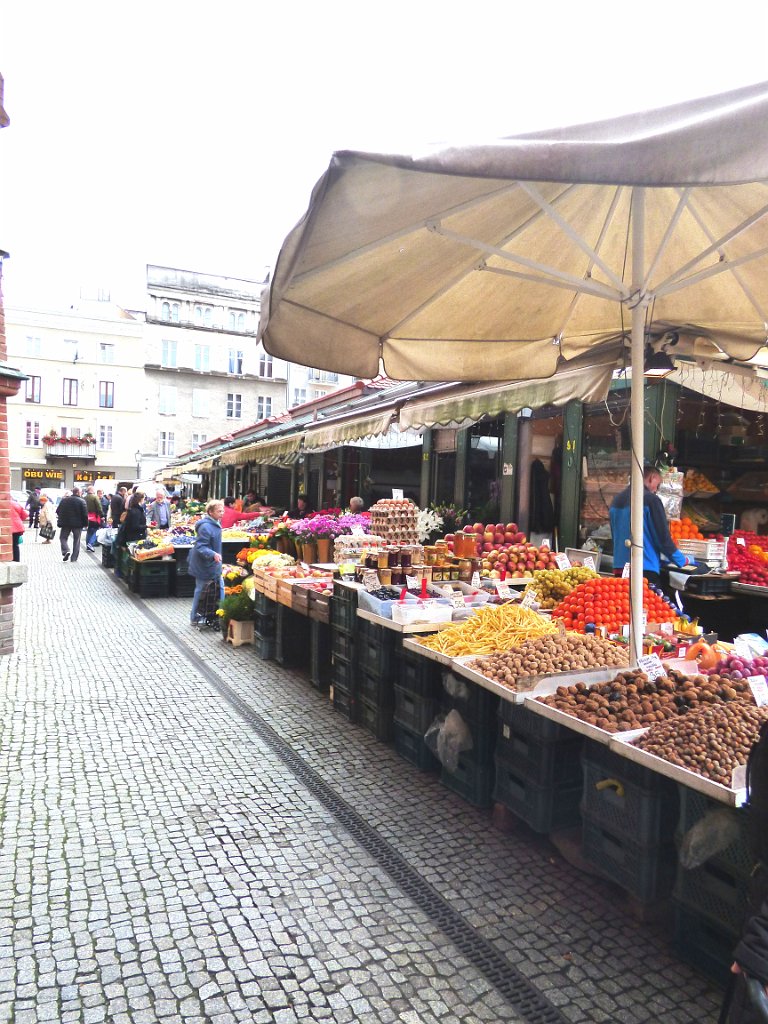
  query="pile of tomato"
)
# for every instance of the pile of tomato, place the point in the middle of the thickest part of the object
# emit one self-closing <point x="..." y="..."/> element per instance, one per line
<point x="605" y="602"/>
<point x="748" y="554"/>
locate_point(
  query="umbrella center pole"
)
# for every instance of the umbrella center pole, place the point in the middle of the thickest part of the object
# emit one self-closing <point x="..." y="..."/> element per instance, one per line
<point x="640" y="303"/>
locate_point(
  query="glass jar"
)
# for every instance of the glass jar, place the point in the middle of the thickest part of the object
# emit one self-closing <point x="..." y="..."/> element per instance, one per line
<point x="393" y="555"/>
<point x="430" y="553"/>
<point x="382" y="561"/>
<point x="437" y="574"/>
<point x="385" y="576"/>
<point x="405" y="558"/>
<point x="398" y="577"/>
<point x="371" y="561"/>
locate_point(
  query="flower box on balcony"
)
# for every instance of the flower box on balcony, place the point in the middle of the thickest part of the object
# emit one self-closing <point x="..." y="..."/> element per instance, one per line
<point x="70" y="449"/>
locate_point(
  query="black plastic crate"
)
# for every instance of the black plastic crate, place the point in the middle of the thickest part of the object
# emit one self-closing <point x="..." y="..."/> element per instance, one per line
<point x="292" y="638"/>
<point x="375" y="690"/>
<point x="736" y="858"/>
<point x="343" y="701"/>
<point x="375" y="648"/>
<point x="473" y="702"/>
<point x="706" y="946"/>
<point x="411" y="746"/>
<point x="181" y="557"/>
<point x="528" y="723"/>
<point x="265" y="647"/>
<point x="320" y="668"/>
<point x="149" y="586"/>
<point x="472" y="782"/>
<point x="420" y="676"/>
<point x="715" y="893"/>
<point x="414" y="712"/>
<point x="646" y="872"/>
<point x="264" y="605"/>
<point x="182" y="586"/>
<point x="342" y="644"/>
<point x="626" y="798"/>
<point x="375" y="719"/>
<point x="343" y="674"/>
<point x="266" y="624"/>
<point x="543" y="761"/>
<point x="544" y="807"/>
<point x="483" y="733"/>
<point x="343" y="615"/>
<point x="107" y="558"/>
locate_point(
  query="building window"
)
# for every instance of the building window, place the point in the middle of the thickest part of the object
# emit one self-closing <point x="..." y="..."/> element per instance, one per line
<point x="263" y="408"/>
<point x="208" y="316"/>
<point x="70" y="391"/>
<point x="234" y="406"/>
<point x="265" y="365"/>
<point x="167" y="443"/>
<point x="167" y="402"/>
<point x="198" y="316"/>
<point x="106" y="394"/>
<point x="236" y="321"/>
<point x="316" y="393"/>
<point x="235" y="361"/>
<point x="199" y="439"/>
<point x="168" y="353"/>
<point x="299" y="396"/>
<point x="165" y="311"/>
<point x="32" y="389"/>
<point x="199" y="402"/>
<point x="34" y="347"/>
<point x="105" y="438"/>
<point x="69" y="432"/>
<point x="32" y="434"/>
<point x="106" y="353"/>
<point x="323" y="376"/>
<point x="203" y="358"/>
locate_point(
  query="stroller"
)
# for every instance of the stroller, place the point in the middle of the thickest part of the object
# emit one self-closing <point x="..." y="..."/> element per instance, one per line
<point x="209" y="603"/>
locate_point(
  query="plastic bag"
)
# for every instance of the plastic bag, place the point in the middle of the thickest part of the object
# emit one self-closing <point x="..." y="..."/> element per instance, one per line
<point x="710" y="835"/>
<point x="447" y="737"/>
<point x="105" y="536"/>
<point x="456" y="688"/>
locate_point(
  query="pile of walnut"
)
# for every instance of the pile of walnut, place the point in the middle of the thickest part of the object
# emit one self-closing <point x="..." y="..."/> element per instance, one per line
<point x="633" y="701"/>
<point x="545" y="655"/>
<point x="711" y="740"/>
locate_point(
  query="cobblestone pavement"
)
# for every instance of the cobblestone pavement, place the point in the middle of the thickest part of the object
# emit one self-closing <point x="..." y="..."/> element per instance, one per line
<point x="171" y="849"/>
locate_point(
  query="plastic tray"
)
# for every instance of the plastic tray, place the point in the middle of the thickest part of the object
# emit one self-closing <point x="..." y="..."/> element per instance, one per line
<point x="539" y="685"/>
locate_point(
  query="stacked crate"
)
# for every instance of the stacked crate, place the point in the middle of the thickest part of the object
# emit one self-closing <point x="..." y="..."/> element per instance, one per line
<point x="418" y="685"/>
<point x="710" y="901"/>
<point x="538" y="769"/>
<point x="291" y="638"/>
<point x="320" y="667"/>
<point x="375" y="677"/>
<point x="150" y="577"/>
<point x="182" y="583"/>
<point x="107" y="558"/>
<point x="628" y="818"/>
<point x="474" y="775"/>
<point x="343" y="615"/>
<point x="265" y="626"/>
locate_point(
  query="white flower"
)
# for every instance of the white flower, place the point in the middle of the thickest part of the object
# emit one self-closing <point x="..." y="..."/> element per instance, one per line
<point x="427" y="523"/>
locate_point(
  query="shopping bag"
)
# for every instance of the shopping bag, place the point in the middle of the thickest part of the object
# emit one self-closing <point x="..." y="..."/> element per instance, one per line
<point x="47" y="532"/>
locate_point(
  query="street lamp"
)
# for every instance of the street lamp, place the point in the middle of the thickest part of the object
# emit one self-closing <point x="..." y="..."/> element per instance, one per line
<point x="137" y="456"/>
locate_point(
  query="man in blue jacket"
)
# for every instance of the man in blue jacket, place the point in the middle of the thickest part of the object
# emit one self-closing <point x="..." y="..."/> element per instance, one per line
<point x="657" y="540"/>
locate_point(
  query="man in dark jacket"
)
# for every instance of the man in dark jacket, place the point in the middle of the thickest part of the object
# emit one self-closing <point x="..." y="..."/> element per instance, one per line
<point x="72" y="517"/>
<point x="657" y="540"/>
<point x="33" y="507"/>
<point x="117" y="505"/>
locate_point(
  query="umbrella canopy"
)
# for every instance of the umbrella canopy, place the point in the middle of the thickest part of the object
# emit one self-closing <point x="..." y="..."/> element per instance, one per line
<point x="494" y="262"/>
<point x="506" y="260"/>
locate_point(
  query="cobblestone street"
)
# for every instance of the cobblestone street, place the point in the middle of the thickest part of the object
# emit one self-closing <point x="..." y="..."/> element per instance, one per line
<point x="192" y="834"/>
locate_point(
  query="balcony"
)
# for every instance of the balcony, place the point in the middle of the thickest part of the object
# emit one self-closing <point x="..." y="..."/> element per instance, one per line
<point x="66" y="449"/>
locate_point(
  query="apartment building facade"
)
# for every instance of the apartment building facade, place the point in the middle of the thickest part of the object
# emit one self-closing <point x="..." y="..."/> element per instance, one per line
<point x="80" y="411"/>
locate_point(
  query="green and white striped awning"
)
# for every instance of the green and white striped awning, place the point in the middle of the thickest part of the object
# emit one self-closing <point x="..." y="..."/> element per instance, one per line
<point x="283" y="451"/>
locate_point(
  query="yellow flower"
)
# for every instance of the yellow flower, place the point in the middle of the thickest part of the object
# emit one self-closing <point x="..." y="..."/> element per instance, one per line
<point x="219" y="611"/>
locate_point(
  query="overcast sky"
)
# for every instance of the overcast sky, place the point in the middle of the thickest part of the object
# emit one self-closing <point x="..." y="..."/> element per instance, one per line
<point x="190" y="134"/>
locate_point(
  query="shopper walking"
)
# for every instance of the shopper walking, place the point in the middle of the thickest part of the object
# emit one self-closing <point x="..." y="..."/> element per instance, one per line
<point x="205" y="556"/>
<point x="72" y="516"/>
<point x="93" y="505"/>
<point x="47" y="520"/>
<point x="33" y="507"/>
<point x="117" y="505"/>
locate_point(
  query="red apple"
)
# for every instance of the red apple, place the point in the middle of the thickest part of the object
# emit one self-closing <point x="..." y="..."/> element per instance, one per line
<point x="478" y="528"/>
<point x="512" y="527"/>
<point x="487" y="546"/>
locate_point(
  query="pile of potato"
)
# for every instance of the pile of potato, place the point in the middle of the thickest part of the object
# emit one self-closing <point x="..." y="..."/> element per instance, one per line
<point x="633" y="701"/>
<point x="546" y="655"/>
<point x="711" y="741"/>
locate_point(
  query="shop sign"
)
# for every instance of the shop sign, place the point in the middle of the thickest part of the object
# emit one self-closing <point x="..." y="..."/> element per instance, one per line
<point x="87" y="476"/>
<point x="41" y="473"/>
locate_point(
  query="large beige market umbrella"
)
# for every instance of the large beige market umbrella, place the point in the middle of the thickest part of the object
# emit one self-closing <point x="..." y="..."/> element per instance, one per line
<point x="506" y="260"/>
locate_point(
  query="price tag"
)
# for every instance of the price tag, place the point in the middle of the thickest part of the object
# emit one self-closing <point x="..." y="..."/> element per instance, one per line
<point x="759" y="687"/>
<point x="371" y="580"/>
<point x="413" y="582"/>
<point x="741" y="541"/>
<point x="476" y="580"/>
<point x="457" y="599"/>
<point x="397" y="494"/>
<point x="545" y="543"/>
<point x="651" y="665"/>
<point x="666" y="629"/>
<point x="503" y="589"/>
<point x="589" y="563"/>
<point x="358" y="531"/>
<point x="529" y="599"/>
<point x="562" y="562"/>
<point x="625" y="571"/>
<point x="743" y="650"/>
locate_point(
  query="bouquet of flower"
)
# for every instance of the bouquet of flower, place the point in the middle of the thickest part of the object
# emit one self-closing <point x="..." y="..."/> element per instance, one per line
<point x="350" y="520"/>
<point x="233" y="574"/>
<point x="317" y="528"/>
<point x="451" y="515"/>
<point x="429" y="524"/>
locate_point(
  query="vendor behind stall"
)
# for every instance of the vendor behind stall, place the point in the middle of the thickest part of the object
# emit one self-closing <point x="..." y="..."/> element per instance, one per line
<point x="657" y="540"/>
<point x="232" y="516"/>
